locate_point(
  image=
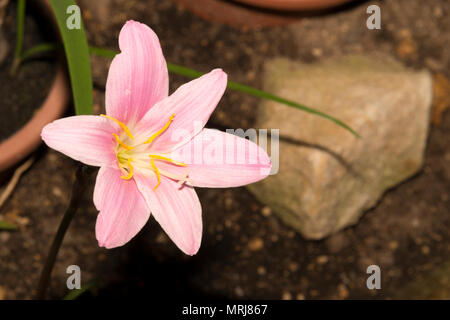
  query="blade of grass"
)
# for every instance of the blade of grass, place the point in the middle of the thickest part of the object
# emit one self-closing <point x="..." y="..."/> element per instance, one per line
<point x="21" y="8"/>
<point x="78" y="60"/>
<point x="5" y="225"/>
<point x="74" y="294"/>
<point x="190" y="73"/>
<point x="40" y="48"/>
<point x="261" y="94"/>
<point x="266" y="95"/>
<point x="102" y="52"/>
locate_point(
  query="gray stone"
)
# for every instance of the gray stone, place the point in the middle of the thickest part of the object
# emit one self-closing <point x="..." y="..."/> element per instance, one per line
<point x="327" y="177"/>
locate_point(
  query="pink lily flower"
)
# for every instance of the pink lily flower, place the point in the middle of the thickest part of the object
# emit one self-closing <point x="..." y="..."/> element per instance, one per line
<point x="152" y="149"/>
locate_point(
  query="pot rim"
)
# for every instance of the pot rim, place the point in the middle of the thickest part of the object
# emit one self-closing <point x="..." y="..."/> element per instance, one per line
<point x="294" y="4"/>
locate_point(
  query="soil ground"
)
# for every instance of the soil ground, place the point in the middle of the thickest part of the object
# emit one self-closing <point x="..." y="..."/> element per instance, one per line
<point x="246" y="251"/>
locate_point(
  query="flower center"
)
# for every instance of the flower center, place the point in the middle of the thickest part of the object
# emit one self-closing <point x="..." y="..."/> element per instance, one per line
<point x="127" y="155"/>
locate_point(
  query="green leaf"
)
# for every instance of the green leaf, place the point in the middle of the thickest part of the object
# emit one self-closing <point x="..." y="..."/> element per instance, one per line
<point x="40" y="48"/>
<point x="180" y="70"/>
<point x="77" y="54"/>
<point x="102" y="52"/>
<point x="21" y="8"/>
<point x="74" y="294"/>
<point x="265" y="95"/>
<point x="5" y="225"/>
<point x="190" y="73"/>
<point x="20" y="28"/>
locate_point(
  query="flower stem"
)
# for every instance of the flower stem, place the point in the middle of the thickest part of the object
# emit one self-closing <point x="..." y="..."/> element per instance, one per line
<point x="79" y="187"/>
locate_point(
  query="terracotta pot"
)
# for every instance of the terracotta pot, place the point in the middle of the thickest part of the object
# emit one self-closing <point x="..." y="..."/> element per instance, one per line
<point x="28" y="138"/>
<point x="19" y="145"/>
<point x="294" y="4"/>
<point x="236" y="15"/>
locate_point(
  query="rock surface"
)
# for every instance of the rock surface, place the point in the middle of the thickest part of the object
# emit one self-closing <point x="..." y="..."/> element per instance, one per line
<point x="327" y="177"/>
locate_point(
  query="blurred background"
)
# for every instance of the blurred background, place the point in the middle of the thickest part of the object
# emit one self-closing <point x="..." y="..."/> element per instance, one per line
<point x="256" y="246"/>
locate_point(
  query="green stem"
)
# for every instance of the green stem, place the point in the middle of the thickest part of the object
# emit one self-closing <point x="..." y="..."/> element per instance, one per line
<point x="21" y="6"/>
<point x="79" y="187"/>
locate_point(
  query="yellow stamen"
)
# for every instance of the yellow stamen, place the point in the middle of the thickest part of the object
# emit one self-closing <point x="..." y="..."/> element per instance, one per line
<point x="157" y="173"/>
<point x="121" y="143"/>
<point x="157" y="133"/>
<point x="178" y="163"/>
<point x="130" y="170"/>
<point x="121" y="124"/>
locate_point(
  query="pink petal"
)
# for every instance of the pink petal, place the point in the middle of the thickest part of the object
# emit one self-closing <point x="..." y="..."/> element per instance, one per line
<point x="84" y="138"/>
<point x="176" y="208"/>
<point x="218" y="159"/>
<point x="138" y="76"/>
<point x="123" y="210"/>
<point x="192" y="105"/>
